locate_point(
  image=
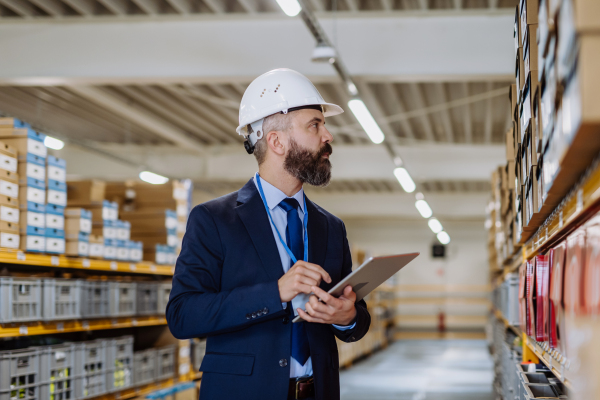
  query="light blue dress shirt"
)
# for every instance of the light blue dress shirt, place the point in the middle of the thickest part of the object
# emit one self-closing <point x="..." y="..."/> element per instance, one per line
<point x="273" y="197"/>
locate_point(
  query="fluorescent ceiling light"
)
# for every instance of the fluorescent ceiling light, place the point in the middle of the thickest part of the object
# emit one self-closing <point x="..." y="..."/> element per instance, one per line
<point x="435" y="225"/>
<point x="54" y="143"/>
<point x="423" y="208"/>
<point x="290" y="7"/>
<point x="364" y="117"/>
<point x="405" y="180"/>
<point x="153" y="178"/>
<point x="352" y="89"/>
<point x="443" y="237"/>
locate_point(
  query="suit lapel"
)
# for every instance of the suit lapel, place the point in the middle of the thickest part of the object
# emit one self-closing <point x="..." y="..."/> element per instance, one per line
<point x="317" y="234"/>
<point x="254" y="216"/>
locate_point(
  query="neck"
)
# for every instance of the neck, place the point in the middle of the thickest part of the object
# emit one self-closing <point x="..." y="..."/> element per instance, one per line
<point x="281" y="180"/>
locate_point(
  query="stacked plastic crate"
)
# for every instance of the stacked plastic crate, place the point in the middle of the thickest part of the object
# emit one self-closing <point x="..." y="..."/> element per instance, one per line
<point x="56" y="201"/>
<point x="31" y="183"/>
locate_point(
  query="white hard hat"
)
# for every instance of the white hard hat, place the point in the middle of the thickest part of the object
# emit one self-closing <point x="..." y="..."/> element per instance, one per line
<point x="279" y="90"/>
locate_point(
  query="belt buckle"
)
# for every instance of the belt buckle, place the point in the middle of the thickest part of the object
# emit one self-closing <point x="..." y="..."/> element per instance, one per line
<point x="298" y="382"/>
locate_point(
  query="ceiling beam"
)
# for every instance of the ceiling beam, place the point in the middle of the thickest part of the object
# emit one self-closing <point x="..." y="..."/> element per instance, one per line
<point x="393" y="100"/>
<point x="216" y="6"/>
<point x="352" y="5"/>
<point x="21" y="7"/>
<point x="489" y="117"/>
<point x="467" y="115"/>
<point x="141" y="118"/>
<point x="445" y="114"/>
<point x="150" y="7"/>
<point x="317" y="5"/>
<point x="83" y="7"/>
<point x="387" y="5"/>
<point x="417" y="96"/>
<point x="367" y="95"/>
<point x="449" y="48"/>
<point x="184" y="7"/>
<point x="248" y="5"/>
<point x="52" y="7"/>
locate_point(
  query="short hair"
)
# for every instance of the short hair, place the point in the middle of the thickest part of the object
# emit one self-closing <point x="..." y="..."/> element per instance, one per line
<point x="276" y="122"/>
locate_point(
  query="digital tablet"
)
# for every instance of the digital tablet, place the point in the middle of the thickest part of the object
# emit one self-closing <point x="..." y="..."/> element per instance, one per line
<point x="372" y="273"/>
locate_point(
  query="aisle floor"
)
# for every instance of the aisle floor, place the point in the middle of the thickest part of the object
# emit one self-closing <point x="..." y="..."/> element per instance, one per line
<point x="422" y="370"/>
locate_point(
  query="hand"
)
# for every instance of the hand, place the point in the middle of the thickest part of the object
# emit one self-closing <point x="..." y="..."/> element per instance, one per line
<point x="300" y="279"/>
<point x="340" y="311"/>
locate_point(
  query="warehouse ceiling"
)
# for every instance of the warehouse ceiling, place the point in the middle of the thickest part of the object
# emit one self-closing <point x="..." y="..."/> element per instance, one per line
<point x="137" y="82"/>
<point x="122" y="8"/>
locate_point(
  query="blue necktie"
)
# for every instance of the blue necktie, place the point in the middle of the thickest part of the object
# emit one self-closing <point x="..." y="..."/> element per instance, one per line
<point x="295" y="241"/>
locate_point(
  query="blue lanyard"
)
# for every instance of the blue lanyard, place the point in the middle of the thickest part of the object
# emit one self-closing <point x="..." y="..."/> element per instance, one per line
<point x="304" y="223"/>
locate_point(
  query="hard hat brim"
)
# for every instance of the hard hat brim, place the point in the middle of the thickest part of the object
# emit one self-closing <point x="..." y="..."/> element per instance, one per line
<point x="329" y="110"/>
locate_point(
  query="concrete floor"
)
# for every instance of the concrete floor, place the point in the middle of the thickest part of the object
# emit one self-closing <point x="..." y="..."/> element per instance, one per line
<point x="422" y="370"/>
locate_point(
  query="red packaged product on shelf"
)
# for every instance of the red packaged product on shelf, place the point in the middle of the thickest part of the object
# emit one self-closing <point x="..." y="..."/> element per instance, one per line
<point x="522" y="297"/>
<point x="556" y="310"/>
<point x="530" y="290"/>
<point x="541" y="291"/>
<point x="591" y="272"/>
<point x="573" y="278"/>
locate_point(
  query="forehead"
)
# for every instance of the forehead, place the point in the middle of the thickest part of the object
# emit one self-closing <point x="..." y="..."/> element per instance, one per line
<point x="307" y="115"/>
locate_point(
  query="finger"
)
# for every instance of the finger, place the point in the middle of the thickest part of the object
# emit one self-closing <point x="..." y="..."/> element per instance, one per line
<point x="311" y="274"/>
<point x="314" y="313"/>
<point x="326" y="297"/>
<point x="324" y="309"/>
<point x="319" y="270"/>
<point x="308" y="318"/>
<point x="349" y="294"/>
<point x="305" y="280"/>
<point x="302" y="288"/>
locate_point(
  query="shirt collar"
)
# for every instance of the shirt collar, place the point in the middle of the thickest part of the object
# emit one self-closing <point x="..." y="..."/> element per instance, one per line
<point x="275" y="196"/>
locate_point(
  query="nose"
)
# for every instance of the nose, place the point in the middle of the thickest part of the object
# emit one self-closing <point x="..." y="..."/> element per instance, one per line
<point x="327" y="137"/>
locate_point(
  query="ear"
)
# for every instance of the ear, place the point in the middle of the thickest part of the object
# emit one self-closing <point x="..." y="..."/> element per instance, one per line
<point x="275" y="143"/>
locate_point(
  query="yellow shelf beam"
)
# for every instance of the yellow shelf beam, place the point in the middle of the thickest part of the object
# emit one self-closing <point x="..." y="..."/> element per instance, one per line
<point x="11" y="256"/>
<point x="47" y="328"/>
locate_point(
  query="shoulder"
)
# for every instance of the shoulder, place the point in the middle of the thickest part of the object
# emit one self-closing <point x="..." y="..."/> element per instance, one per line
<point x="215" y="208"/>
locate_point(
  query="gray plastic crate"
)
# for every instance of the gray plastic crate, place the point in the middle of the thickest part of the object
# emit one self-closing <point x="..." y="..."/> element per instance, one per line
<point x="56" y="372"/>
<point x="165" y="359"/>
<point x="20" y="374"/>
<point x="198" y="352"/>
<point x="61" y="299"/>
<point x="20" y="299"/>
<point x="122" y="299"/>
<point x="147" y="298"/>
<point x="94" y="299"/>
<point x="164" y="290"/>
<point x="90" y="369"/>
<point x="144" y="367"/>
<point x="119" y="358"/>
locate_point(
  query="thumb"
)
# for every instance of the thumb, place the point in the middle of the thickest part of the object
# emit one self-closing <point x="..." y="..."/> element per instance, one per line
<point x="349" y="294"/>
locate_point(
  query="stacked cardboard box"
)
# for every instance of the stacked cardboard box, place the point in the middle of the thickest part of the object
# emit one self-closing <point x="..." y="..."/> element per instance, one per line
<point x="78" y="227"/>
<point x="31" y="183"/>
<point x="86" y="202"/>
<point x="56" y="201"/>
<point x="157" y="213"/>
<point x="9" y="192"/>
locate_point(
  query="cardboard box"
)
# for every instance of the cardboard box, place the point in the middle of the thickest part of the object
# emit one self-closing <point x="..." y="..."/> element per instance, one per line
<point x="513" y="97"/>
<point x="536" y="127"/>
<point x="77" y="248"/>
<point x="29" y="218"/>
<point x="153" y="218"/>
<point x="26" y="145"/>
<point x="10" y="240"/>
<point x="106" y="228"/>
<point x="57" y="169"/>
<point x="77" y="225"/>
<point x="151" y="239"/>
<point x="517" y="30"/>
<point x="530" y="50"/>
<point x="33" y="243"/>
<point x="9" y="188"/>
<point x="96" y="246"/>
<point x="9" y="201"/>
<point x="31" y="194"/>
<point x="55" y="245"/>
<point x="529" y="14"/>
<point x="10" y="122"/>
<point x="10" y="133"/>
<point x="9" y="214"/>
<point x="8" y="157"/>
<point x="591" y="272"/>
<point x="510" y="144"/>
<point x="573" y="277"/>
<point x="556" y="310"/>
<point x="29" y="169"/>
<point x="545" y="26"/>
<point x="55" y="221"/>
<point x="520" y="73"/>
<point x="83" y="193"/>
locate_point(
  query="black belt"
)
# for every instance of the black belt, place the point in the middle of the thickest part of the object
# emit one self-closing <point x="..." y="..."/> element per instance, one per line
<point x="301" y="388"/>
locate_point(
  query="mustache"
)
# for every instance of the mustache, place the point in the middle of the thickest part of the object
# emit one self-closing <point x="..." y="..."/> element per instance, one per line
<point x="326" y="149"/>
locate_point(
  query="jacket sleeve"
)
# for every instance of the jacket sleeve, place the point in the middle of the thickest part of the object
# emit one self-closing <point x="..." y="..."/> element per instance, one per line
<point x="197" y="307"/>
<point x="363" y="318"/>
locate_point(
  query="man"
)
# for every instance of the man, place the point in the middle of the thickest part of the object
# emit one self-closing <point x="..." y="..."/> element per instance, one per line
<point x="254" y="259"/>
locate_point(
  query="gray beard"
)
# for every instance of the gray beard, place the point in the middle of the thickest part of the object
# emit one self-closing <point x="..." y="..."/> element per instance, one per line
<point x="308" y="167"/>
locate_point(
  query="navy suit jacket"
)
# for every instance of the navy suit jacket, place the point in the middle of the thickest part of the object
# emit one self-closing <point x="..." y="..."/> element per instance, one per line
<point x="225" y="288"/>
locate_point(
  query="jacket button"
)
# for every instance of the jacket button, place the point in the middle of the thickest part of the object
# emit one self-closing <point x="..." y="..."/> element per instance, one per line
<point x="353" y="338"/>
<point x="286" y="320"/>
<point x="283" y="363"/>
<point x="248" y="316"/>
<point x="265" y="311"/>
<point x="253" y="315"/>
